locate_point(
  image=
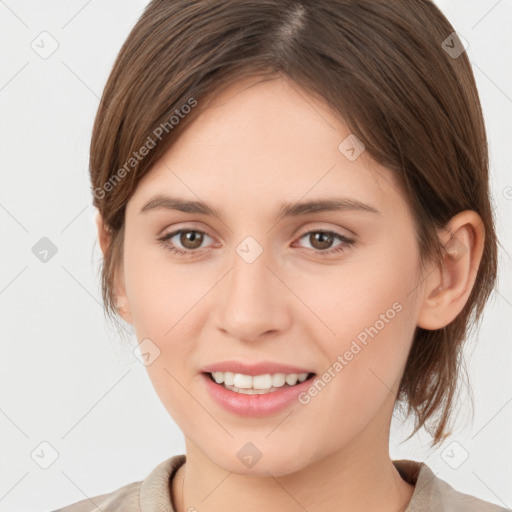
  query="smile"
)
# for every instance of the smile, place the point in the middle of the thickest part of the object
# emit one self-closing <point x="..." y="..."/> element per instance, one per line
<point x="257" y="384"/>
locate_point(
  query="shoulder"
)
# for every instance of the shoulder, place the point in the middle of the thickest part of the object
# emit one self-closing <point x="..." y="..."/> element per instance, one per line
<point x="432" y="493"/>
<point x="151" y="493"/>
<point x="126" y="497"/>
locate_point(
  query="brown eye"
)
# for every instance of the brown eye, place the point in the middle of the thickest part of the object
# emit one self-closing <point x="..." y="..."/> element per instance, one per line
<point x="321" y="240"/>
<point x="187" y="242"/>
<point x="191" y="239"/>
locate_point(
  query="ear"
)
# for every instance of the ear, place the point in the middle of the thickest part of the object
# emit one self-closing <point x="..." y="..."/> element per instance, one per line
<point x="448" y="286"/>
<point x="105" y="238"/>
<point x="103" y="234"/>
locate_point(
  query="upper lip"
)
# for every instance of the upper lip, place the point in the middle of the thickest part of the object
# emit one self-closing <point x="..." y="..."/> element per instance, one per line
<point x="260" y="368"/>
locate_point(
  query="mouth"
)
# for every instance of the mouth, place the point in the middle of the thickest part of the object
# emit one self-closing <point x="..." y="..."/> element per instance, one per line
<point x="258" y="384"/>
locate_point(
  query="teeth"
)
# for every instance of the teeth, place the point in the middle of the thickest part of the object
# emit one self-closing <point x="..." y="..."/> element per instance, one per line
<point x="262" y="381"/>
<point x="242" y="381"/>
<point x="258" y="383"/>
<point x="278" y="380"/>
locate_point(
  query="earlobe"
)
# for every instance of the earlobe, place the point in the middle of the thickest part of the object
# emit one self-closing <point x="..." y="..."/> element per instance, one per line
<point x="448" y="286"/>
<point x="123" y="309"/>
<point x="124" y="313"/>
<point x="122" y="304"/>
<point x="103" y="234"/>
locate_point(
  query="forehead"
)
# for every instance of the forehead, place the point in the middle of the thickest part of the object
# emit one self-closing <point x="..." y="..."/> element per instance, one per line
<point x="267" y="142"/>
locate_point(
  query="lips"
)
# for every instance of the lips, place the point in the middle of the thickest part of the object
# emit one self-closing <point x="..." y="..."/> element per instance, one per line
<point x="250" y="402"/>
<point x="253" y="369"/>
<point x="254" y="405"/>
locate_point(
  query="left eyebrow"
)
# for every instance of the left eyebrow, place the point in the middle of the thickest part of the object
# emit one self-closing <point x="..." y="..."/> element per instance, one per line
<point x="325" y="205"/>
<point x="162" y="202"/>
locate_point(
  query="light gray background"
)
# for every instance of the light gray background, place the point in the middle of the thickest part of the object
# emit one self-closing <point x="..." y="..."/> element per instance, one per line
<point x="65" y="377"/>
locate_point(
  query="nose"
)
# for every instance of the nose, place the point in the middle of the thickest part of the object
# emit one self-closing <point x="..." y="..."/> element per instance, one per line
<point x="252" y="301"/>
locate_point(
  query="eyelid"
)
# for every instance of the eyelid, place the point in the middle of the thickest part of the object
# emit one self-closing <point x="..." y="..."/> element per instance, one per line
<point x="345" y="241"/>
<point x="338" y="230"/>
<point x="198" y="226"/>
<point x="327" y="227"/>
<point x="188" y="226"/>
<point x="171" y="234"/>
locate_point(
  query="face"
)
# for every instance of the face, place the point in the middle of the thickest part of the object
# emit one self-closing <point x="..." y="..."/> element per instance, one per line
<point x="323" y="291"/>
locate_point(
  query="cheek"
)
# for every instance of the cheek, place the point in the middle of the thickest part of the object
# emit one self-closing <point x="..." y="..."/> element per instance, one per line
<point x="358" y="387"/>
<point x="361" y="300"/>
<point x="162" y="295"/>
<point x="367" y="324"/>
<point x="166" y="307"/>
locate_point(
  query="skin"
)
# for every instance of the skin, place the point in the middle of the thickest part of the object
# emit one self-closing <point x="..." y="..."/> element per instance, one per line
<point x="258" y="145"/>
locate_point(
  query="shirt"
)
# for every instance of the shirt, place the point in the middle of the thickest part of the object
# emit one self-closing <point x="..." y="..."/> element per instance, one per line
<point x="153" y="494"/>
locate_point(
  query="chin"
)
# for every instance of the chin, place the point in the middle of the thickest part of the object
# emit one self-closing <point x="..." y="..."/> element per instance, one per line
<point x="277" y="461"/>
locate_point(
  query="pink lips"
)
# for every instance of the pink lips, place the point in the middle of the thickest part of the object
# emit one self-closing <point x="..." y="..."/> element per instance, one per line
<point x="261" y="368"/>
<point x="254" y="405"/>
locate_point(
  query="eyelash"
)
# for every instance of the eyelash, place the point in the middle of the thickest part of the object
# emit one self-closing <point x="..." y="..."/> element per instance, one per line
<point x="347" y="242"/>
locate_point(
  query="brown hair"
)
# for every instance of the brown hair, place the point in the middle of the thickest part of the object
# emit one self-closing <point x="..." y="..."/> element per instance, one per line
<point x="380" y="65"/>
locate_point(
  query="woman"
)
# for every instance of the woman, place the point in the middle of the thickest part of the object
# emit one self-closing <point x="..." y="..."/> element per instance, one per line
<point x="293" y="208"/>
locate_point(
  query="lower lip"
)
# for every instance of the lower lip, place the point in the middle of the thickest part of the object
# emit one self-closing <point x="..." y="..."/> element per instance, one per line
<point x="254" y="405"/>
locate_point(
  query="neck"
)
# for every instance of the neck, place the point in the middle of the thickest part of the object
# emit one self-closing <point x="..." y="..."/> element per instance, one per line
<point x="360" y="478"/>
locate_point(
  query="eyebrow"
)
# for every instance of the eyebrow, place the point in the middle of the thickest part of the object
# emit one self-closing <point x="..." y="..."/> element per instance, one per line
<point x="162" y="202"/>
